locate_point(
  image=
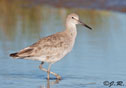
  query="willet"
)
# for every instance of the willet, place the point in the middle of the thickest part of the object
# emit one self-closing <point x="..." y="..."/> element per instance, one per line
<point x="54" y="47"/>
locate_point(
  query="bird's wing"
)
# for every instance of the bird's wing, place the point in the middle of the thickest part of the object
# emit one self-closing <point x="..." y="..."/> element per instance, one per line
<point x="46" y="46"/>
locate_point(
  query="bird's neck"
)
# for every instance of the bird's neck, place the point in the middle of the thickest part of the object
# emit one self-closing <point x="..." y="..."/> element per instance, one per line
<point x="71" y="30"/>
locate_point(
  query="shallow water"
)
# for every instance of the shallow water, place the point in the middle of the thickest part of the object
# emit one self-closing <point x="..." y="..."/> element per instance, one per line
<point x="98" y="55"/>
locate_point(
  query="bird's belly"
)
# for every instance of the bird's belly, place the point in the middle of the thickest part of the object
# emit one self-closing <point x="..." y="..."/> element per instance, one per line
<point x="50" y="58"/>
<point x="57" y="57"/>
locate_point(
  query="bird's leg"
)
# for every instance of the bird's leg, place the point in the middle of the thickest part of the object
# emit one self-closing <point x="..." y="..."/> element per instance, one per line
<point x="48" y="72"/>
<point x="41" y="68"/>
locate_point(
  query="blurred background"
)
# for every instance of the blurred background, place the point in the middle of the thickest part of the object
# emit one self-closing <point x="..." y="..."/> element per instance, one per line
<point x="98" y="55"/>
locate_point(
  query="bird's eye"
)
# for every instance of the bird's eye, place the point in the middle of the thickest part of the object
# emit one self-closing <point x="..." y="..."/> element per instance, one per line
<point x="72" y="17"/>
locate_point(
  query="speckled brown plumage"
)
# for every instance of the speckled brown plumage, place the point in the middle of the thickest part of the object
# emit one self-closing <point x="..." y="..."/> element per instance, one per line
<point x="50" y="46"/>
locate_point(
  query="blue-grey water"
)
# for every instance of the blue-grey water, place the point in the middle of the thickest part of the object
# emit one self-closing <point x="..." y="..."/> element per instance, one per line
<point x="98" y="55"/>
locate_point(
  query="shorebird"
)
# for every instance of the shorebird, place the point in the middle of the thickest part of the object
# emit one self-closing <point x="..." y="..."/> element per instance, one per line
<point x="52" y="48"/>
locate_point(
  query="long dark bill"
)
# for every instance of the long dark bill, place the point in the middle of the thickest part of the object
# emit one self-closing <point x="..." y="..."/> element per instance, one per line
<point x="85" y="25"/>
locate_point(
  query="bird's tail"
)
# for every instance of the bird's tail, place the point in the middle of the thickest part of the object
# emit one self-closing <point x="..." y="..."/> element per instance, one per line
<point x="15" y="55"/>
<point x="22" y="53"/>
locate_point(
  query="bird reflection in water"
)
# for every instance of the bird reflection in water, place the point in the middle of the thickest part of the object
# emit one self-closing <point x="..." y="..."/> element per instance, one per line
<point x="50" y="83"/>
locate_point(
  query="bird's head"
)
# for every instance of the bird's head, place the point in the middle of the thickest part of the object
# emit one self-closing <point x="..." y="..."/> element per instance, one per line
<point x="73" y="19"/>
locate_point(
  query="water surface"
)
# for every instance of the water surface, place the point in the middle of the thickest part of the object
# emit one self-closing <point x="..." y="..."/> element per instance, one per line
<point x="98" y="55"/>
